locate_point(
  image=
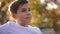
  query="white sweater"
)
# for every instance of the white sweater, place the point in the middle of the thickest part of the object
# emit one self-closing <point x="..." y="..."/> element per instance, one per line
<point x="12" y="28"/>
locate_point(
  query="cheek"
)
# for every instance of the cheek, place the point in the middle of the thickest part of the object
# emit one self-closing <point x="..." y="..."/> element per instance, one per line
<point x="31" y="14"/>
<point x="20" y="16"/>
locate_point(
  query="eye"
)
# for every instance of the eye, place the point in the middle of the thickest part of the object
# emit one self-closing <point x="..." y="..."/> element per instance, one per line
<point x="24" y="10"/>
<point x="29" y="9"/>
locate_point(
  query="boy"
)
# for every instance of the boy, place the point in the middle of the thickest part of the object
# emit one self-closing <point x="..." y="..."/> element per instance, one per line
<point x="20" y="11"/>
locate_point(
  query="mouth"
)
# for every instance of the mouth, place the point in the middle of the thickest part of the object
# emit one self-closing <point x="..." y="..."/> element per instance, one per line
<point x="28" y="18"/>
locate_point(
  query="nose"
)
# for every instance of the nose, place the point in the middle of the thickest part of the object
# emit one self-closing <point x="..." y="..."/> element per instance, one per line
<point x="28" y="13"/>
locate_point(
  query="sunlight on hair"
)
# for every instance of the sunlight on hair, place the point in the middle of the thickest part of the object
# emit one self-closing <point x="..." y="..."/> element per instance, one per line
<point x="11" y="18"/>
<point x="10" y="5"/>
<point x="0" y="4"/>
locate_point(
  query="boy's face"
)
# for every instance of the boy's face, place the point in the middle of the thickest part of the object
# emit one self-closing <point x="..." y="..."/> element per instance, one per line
<point x="23" y="13"/>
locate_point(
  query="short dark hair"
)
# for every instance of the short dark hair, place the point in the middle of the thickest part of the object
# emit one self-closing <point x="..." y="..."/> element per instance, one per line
<point x="15" y="4"/>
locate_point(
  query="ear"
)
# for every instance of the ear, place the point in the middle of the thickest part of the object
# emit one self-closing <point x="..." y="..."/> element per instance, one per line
<point x="13" y="15"/>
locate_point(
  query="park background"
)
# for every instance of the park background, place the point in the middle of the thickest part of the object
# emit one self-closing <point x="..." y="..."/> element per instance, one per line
<point x="46" y="14"/>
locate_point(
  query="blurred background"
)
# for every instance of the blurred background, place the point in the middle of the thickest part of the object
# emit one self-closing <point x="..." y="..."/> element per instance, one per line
<point x="46" y="14"/>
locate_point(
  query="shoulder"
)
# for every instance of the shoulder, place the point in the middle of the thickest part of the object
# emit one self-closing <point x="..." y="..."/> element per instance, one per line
<point x="4" y="27"/>
<point x="36" y="29"/>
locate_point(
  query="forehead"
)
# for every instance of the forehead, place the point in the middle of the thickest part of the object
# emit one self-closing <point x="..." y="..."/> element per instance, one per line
<point x="24" y="6"/>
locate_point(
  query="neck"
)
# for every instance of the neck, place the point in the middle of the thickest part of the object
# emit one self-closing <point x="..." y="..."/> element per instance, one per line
<point x="21" y="24"/>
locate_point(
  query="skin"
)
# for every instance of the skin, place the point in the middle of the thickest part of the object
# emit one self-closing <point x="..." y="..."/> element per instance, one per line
<point x="23" y="15"/>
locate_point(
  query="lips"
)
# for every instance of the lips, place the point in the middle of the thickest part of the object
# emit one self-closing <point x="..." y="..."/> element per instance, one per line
<point x="27" y="17"/>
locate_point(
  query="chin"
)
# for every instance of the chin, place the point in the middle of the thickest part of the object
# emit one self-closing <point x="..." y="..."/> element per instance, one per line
<point x="27" y="21"/>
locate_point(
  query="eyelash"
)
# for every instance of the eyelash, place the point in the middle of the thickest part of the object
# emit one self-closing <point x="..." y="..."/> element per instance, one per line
<point x="25" y="10"/>
<point x="29" y="10"/>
